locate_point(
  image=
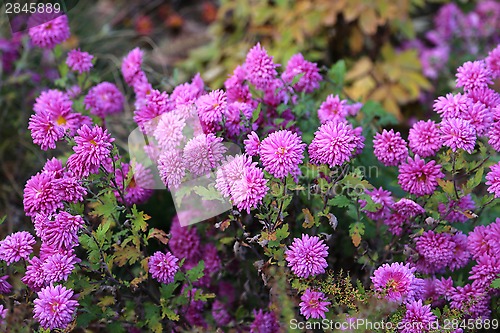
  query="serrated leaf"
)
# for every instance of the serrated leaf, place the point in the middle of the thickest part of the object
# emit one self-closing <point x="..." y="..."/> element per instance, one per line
<point x="196" y="273"/>
<point x="356" y="230"/>
<point x="159" y="235"/>
<point x="308" y="218"/>
<point x="339" y="201"/>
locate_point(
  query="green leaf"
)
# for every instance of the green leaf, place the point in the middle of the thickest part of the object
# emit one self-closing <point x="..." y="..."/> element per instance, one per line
<point x="196" y="273"/>
<point x="337" y="72"/>
<point x="356" y="230"/>
<point x="339" y="201"/>
<point x="496" y="284"/>
<point x="115" y="327"/>
<point x="2" y="220"/>
<point x="207" y="194"/>
<point x="256" y="113"/>
<point x="152" y="316"/>
<point x="138" y="220"/>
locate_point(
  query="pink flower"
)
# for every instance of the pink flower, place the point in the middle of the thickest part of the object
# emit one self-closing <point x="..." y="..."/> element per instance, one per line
<point x="212" y="106"/>
<point x="418" y="177"/>
<point x="79" y="61"/>
<point x="452" y="211"/>
<point x="237" y="118"/>
<point x="172" y="169"/>
<point x="297" y="65"/>
<point x="313" y="304"/>
<point x="418" y="318"/>
<point x="54" y="307"/>
<point x="485" y="271"/>
<point x="381" y="197"/>
<point x="3" y="314"/>
<point x="93" y="149"/>
<point x="163" y="266"/>
<point x="5" y="287"/>
<point x="104" y="99"/>
<point x="485" y="240"/>
<point x="185" y="241"/>
<point x="136" y="183"/>
<point x="494" y="136"/>
<point x="394" y="281"/>
<point x="390" y="148"/>
<point x="131" y="67"/>
<point x="473" y="75"/>
<point x="187" y="93"/>
<point x="35" y="275"/>
<point x="471" y="300"/>
<point x="259" y="67"/>
<point x="203" y="153"/>
<point x="332" y="109"/>
<point x="493" y="180"/>
<point x="155" y="104"/>
<point x="47" y="30"/>
<point x="281" y="153"/>
<point x="236" y="90"/>
<point x="424" y="138"/>
<point x="220" y="313"/>
<point x="44" y="131"/>
<point x="436" y="250"/>
<point x="264" y="322"/>
<point x="493" y="62"/>
<point x="58" y="267"/>
<point x="458" y="134"/>
<point x="16" y="246"/>
<point x="334" y="143"/>
<point x="402" y="211"/>
<point x="451" y="106"/>
<point x="307" y="256"/>
<point x="252" y="144"/>
<point x="480" y="117"/>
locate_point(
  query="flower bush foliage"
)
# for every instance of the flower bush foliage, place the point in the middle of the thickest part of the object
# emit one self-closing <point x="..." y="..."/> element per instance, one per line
<point x="313" y="232"/>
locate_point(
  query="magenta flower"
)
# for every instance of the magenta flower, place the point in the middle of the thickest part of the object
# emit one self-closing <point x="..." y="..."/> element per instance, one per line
<point x="458" y="134"/>
<point x="34" y="277"/>
<point x="212" y="106"/>
<point x="79" y="61"/>
<point x="424" y="138"/>
<point x="485" y="271"/>
<point x="131" y="67"/>
<point x="334" y="143"/>
<point x="155" y="104"/>
<point x="5" y="286"/>
<point x="3" y="314"/>
<point x="136" y="183"/>
<point x="418" y="177"/>
<point x="47" y="30"/>
<point x="471" y="300"/>
<point x="452" y="211"/>
<point x="436" y="249"/>
<point x="220" y="313"/>
<point x="104" y="99"/>
<point x="186" y="94"/>
<point x="185" y="241"/>
<point x="297" y="65"/>
<point x="54" y="307"/>
<point x="16" y="246"/>
<point x="236" y="90"/>
<point x="44" y="130"/>
<point x="332" y="109"/>
<point x="493" y="62"/>
<point x="480" y="117"/>
<point x="493" y="180"/>
<point x="264" y="322"/>
<point x="203" y="153"/>
<point x="313" y="305"/>
<point x="473" y="75"/>
<point x="69" y="188"/>
<point x="381" y="197"/>
<point x="390" y="148"/>
<point x="58" y="267"/>
<point x="461" y="254"/>
<point x="307" y="256"/>
<point x="489" y="97"/>
<point x="485" y="240"/>
<point x="494" y="136"/>
<point x="451" y="106"/>
<point x="163" y="266"/>
<point x="252" y="144"/>
<point x="281" y="153"/>
<point x="418" y="318"/>
<point x="394" y="281"/>
<point x="62" y="232"/>
<point x="259" y="67"/>
<point x="237" y="118"/>
<point x="93" y="149"/>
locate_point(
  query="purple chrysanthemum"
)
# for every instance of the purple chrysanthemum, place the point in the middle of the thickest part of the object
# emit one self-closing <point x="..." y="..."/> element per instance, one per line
<point x="419" y="178"/>
<point x="47" y="30"/>
<point x="212" y="106"/>
<point x="472" y="301"/>
<point x="480" y="117"/>
<point x="131" y="67"/>
<point x="185" y="94"/>
<point x="69" y="188"/>
<point x="402" y="212"/>
<point x="313" y="304"/>
<point x="461" y="254"/>
<point x="264" y="322"/>
<point x="185" y="241"/>
<point x="3" y="314"/>
<point x="168" y="131"/>
<point x="79" y="61"/>
<point x="252" y="144"/>
<point x="259" y="67"/>
<point x="493" y="180"/>
<point x="281" y="153"/>
<point x="54" y="307"/>
<point x="58" y="267"/>
<point x="494" y="136"/>
<point x="333" y="108"/>
<point x="394" y="281"/>
<point x="418" y="318"/>
<point x="44" y="130"/>
<point x="203" y="153"/>
<point x="297" y="65"/>
<point x="458" y="134"/>
<point x="155" y="104"/>
<point x="16" y="246"/>
<point x="163" y="266"/>
<point x="136" y="183"/>
<point x="220" y="313"/>
<point x="493" y="62"/>
<point x="381" y="197"/>
<point x="452" y="211"/>
<point x="236" y="90"/>
<point x="172" y="169"/>
<point x="93" y="149"/>
<point x="5" y="286"/>
<point x="104" y="99"/>
<point x="451" y="106"/>
<point x="34" y="276"/>
<point x="473" y="75"/>
<point x="485" y="271"/>
<point x="62" y="231"/>
<point x="307" y="256"/>
<point x="334" y="143"/>
<point x="390" y="148"/>
<point x="424" y="138"/>
<point x="436" y="249"/>
<point x="485" y="240"/>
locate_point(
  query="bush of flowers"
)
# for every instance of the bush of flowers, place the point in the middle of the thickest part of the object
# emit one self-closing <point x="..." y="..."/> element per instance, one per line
<point x="334" y="213"/>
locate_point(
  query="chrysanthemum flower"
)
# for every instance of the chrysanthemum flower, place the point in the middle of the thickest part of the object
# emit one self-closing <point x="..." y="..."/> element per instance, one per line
<point x="402" y="212"/>
<point x="237" y="118"/>
<point x="185" y="241"/>
<point x="485" y="271"/>
<point x="489" y="97"/>
<point x="187" y="93"/>
<point x="394" y="281"/>
<point x="212" y="106"/>
<point x="390" y="148"/>
<point x="307" y="256"/>
<point x="473" y="75"/>
<point x="171" y="168"/>
<point x="104" y="99"/>
<point x="5" y="286"/>
<point x="259" y="67"/>
<point x="480" y="117"/>
<point x="424" y="138"/>
<point x="69" y="188"/>
<point x="155" y="104"/>
<point x="93" y="149"/>
<point x="62" y="231"/>
<point x="131" y="67"/>
<point x="220" y="313"/>
<point x="452" y="211"/>
<point x="252" y="144"/>
<point x="136" y="183"/>
<point x="313" y="304"/>
<point x="332" y="109"/>
<point x="34" y="277"/>
<point x="493" y="180"/>
<point x="44" y="130"/>
<point x="281" y="152"/>
<point x="297" y="65"/>
<point x="493" y="62"/>
<point x="494" y="136"/>
<point x="79" y="61"/>
<point x="451" y="106"/>
<point x="436" y="249"/>
<point x="3" y="314"/>
<point x="334" y="143"/>
<point x="168" y="132"/>
<point x="47" y="30"/>
<point x="381" y="197"/>
<point x="16" y="246"/>
<point x="458" y="134"/>
<point x="264" y="322"/>
<point x="58" y="267"/>
<point x="203" y="153"/>
<point x="236" y="90"/>
<point x="418" y="317"/>
<point x="163" y="266"/>
<point x="472" y="301"/>
<point x="54" y="307"/>
<point x="419" y="178"/>
<point x="485" y="240"/>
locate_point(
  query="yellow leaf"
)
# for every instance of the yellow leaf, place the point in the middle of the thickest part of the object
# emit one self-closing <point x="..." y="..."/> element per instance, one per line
<point x="309" y="219"/>
<point x="356" y="239"/>
<point x="106" y="301"/>
<point x="361" y="88"/>
<point x="368" y="22"/>
<point x="391" y="106"/>
<point x="356" y="40"/>
<point x="362" y="67"/>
